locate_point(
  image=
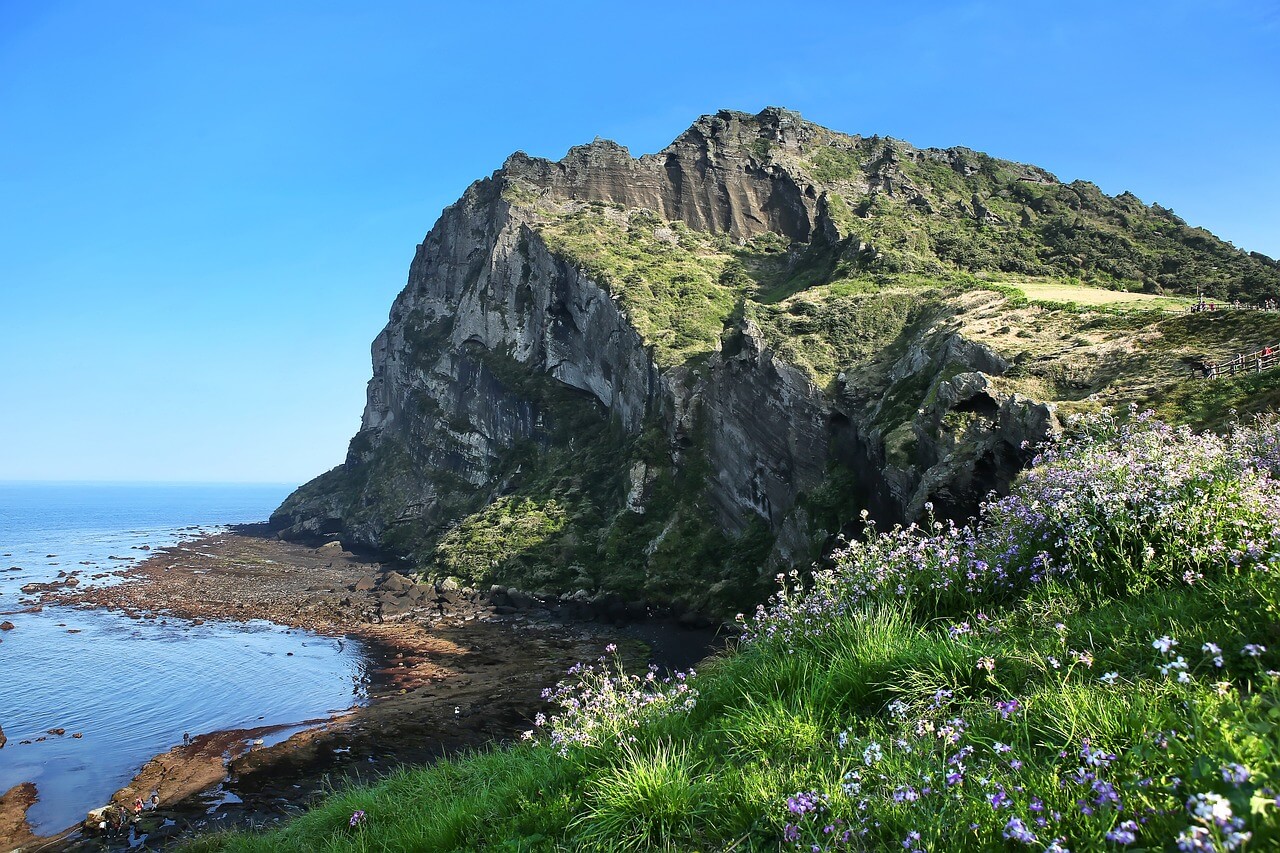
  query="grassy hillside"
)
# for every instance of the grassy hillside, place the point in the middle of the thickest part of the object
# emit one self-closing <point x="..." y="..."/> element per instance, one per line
<point x="1090" y="666"/>
<point x="932" y="212"/>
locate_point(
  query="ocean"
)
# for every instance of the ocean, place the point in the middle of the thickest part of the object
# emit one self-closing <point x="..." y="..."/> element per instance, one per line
<point x="131" y="688"/>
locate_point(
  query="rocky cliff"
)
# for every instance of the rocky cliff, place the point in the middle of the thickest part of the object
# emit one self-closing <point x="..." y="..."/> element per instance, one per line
<point x="667" y="377"/>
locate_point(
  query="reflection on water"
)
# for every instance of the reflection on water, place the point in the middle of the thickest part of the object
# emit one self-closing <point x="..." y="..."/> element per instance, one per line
<point x="132" y="688"/>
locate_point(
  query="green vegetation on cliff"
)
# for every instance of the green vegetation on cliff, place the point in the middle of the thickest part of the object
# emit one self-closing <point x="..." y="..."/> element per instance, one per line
<point x="936" y="212"/>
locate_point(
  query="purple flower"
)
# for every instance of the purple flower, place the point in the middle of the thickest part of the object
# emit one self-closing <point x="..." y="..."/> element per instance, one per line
<point x="1236" y="774"/>
<point x="1007" y="707"/>
<point x="1016" y="830"/>
<point x="357" y="818"/>
<point x="1125" y="833"/>
<point x="805" y="802"/>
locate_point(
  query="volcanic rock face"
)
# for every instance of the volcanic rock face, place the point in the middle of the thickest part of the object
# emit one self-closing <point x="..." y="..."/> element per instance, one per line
<point x="504" y="351"/>
<point x="708" y="178"/>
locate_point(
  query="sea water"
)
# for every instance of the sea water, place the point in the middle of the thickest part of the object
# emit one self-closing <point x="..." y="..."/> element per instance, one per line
<point x="130" y="687"/>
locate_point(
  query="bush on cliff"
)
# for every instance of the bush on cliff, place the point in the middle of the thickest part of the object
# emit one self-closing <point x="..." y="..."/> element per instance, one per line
<point x="1091" y="665"/>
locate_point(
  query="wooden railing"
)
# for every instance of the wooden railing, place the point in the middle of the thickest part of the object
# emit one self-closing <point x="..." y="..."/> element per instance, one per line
<point x="1253" y="362"/>
<point x="1214" y="305"/>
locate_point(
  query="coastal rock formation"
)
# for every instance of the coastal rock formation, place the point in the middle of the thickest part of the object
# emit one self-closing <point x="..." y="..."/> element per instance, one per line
<point x="670" y="376"/>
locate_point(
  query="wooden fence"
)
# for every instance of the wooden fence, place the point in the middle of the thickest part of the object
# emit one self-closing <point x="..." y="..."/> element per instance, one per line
<point x="1253" y="362"/>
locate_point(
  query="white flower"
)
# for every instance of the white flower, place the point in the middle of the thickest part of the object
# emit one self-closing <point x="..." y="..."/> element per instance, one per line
<point x="1164" y="644"/>
<point x="1109" y="678"/>
<point x="1210" y="807"/>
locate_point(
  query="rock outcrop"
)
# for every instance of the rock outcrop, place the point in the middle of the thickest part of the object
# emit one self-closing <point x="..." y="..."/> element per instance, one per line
<point x="515" y="379"/>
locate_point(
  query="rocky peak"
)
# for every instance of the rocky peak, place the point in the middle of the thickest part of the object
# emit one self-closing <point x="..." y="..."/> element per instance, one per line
<point x="715" y="177"/>
<point x="585" y="385"/>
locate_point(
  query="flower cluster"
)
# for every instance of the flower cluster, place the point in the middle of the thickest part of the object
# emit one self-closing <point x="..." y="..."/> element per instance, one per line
<point x="601" y="702"/>
<point x="1120" y="509"/>
<point x="809" y="826"/>
<point x="928" y="763"/>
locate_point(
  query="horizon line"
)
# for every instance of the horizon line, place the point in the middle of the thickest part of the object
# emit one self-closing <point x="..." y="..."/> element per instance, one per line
<point x="107" y="482"/>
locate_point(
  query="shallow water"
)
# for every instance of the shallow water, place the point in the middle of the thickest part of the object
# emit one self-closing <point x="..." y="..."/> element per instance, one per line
<point x="133" y="687"/>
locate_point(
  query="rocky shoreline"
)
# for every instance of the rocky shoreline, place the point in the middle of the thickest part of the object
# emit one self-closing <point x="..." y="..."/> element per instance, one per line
<point x="450" y="668"/>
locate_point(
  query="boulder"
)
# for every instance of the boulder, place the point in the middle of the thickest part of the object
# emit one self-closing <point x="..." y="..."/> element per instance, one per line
<point x="521" y="600"/>
<point x="395" y="609"/>
<point x="6" y="626"/>
<point x="396" y="582"/>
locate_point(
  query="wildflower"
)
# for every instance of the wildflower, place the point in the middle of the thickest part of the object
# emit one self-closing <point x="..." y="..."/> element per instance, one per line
<point x="1196" y="839"/>
<point x="1235" y="839"/>
<point x="1125" y="833"/>
<point x="872" y="754"/>
<point x="842" y="740"/>
<point x="1084" y="658"/>
<point x="1001" y="748"/>
<point x="1236" y="774"/>
<point x="1095" y="757"/>
<point x="1007" y="707"/>
<point x="1216" y="651"/>
<point x="1210" y="808"/>
<point x="1109" y="677"/>
<point x="1164" y="644"/>
<point x="804" y="802"/>
<point x="989" y="664"/>
<point x="1253" y="650"/>
<point x="1016" y="830"/>
<point x="357" y="818"/>
<point x="611" y="648"/>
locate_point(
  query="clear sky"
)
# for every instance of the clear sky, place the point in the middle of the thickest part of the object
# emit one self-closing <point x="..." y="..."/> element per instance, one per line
<point x="207" y="206"/>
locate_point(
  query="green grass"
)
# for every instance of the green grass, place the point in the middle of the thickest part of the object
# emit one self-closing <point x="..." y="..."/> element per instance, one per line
<point x="1077" y="294"/>
<point x="766" y="726"/>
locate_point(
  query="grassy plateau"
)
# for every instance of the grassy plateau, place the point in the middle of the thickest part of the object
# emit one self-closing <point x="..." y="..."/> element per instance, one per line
<point x="1089" y="665"/>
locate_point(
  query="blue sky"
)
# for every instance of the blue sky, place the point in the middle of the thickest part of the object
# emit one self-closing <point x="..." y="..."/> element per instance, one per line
<point x="206" y="208"/>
